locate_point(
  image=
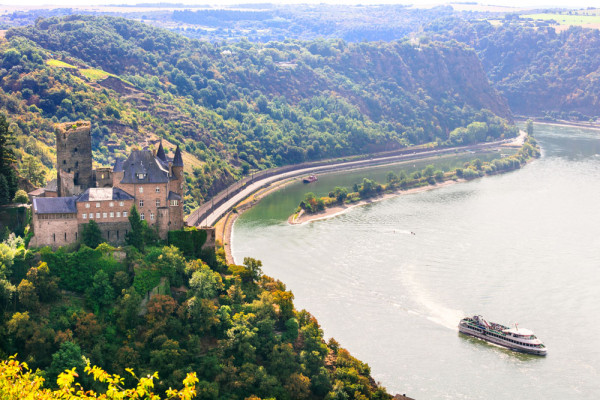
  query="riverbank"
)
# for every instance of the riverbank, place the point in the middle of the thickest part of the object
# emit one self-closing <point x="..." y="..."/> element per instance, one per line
<point x="570" y="124"/>
<point x="302" y="217"/>
<point x="330" y="206"/>
<point x="224" y="227"/>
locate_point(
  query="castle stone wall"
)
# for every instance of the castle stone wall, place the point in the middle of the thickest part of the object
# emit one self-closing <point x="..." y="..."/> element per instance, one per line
<point x="54" y="230"/>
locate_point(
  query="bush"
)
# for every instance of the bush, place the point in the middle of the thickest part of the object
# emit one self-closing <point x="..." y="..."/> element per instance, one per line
<point x="189" y="241"/>
<point x="21" y="197"/>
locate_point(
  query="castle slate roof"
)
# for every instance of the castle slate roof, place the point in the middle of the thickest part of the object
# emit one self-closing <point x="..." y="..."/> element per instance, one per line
<point x="100" y="194"/>
<point x="54" y="205"/>
<point x="177" y="159"/>
<point x="160" y="153"/>
<point x="173" y="196"/>
<point x="118" y="167"/>
<point x="144" y="162"/>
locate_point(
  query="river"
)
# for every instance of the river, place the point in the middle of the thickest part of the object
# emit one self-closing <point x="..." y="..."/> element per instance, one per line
<point x="519" y="247"/>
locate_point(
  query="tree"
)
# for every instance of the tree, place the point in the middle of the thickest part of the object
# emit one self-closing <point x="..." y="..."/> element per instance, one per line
<point x="91" y="235"/>
<point x="28" y="297"/>
<point x="205" y="283"/>
<point x="4" y="190"/>
<point x="135" y="237"/>
<point x="21" y="197"/>
<point x="254" y="266"/>
<point x="33" y="170"/>
<point x="529" y="127"/>
<point x="101" y="293"/>
<point x="8" y="185"/>
<point x="67" y="357"/>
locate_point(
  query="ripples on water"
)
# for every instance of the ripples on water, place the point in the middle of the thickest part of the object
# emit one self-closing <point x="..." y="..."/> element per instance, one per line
<point x="520" y="247"/>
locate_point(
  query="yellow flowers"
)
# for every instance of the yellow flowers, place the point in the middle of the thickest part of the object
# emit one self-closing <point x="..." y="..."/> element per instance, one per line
<point x="17" y="381"/>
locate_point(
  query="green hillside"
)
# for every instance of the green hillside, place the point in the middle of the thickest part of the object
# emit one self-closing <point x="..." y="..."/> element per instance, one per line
<point x="235" y="107"/>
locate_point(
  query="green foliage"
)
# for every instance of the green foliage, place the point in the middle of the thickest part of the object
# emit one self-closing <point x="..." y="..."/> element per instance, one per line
<point x="257" y="105"/>
<point x="189" y="241"/>
<point x="100" y="293"/>
<point x="146" y="279"/>
<point x="91" y="235"/>
<point x="21" y="197"/>
<point x="541" y="71"/>
<point x="67" y="357"/>
<point x="75" y="269"/>
<point x="135" y="237"/>
<point x="240" y="333"/>
<point x="33" y="170"/>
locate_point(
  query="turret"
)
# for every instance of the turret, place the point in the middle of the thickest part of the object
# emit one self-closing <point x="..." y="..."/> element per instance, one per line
<point x="177" y="168"/>
<point x="160" y="153"/>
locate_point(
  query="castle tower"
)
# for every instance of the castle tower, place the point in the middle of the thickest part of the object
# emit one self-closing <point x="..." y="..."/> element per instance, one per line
<point x="176" y="191"/>
<point x="73" y="157"/>
<point x="177" y="171"/>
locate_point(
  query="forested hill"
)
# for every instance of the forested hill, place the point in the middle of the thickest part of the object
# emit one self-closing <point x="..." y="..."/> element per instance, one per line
<point x="234" y="107"/>
<point x="541" y="72"/>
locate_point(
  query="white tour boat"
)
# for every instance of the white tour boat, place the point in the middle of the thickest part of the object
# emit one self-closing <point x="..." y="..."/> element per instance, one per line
<point x="517" y="339"/>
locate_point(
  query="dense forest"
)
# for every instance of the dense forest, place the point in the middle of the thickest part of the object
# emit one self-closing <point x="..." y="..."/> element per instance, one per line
<point x="539" y="71"/>
<point x="152" y="307"/>
<point x="236" y="107"/>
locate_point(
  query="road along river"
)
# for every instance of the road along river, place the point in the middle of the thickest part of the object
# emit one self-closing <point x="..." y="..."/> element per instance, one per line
<point x="519" y="247"/>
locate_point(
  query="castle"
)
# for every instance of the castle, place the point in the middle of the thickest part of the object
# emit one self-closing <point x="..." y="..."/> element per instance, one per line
<point x="151" y="181"/>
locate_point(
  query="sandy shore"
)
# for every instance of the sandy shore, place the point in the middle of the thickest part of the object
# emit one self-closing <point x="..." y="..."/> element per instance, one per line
<point x="224" y="227"/>
<point x="330" y="212"/>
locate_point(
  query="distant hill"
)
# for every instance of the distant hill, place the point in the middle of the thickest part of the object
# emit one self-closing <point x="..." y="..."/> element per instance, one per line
<point x="234" y="107"/>
<point x="541" y="72"/>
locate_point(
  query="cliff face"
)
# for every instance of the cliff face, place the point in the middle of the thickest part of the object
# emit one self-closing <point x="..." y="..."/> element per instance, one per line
<point x="539" y="70"/>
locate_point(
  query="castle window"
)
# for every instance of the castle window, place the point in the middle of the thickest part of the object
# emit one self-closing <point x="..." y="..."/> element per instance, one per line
<point x="141" y="203"/>
<point x="65" y="236"/>
<point x="103" y="215"/>
<point x="157" y="189"/>
<point x="141" y="189"/>
<point x="117" y="235"/>
<point x="91" y="215"/>
<point x="125" y="215"/>
<point x="118" y="214"/>
<point x="87" y="205"/>
<point x="157" y="202"/>
<point x="84" y="216"/>
<point x="174" y="203"/>
<point x="141" y="176"/>
<point x="97" y="215"/>
<point x="111" y="204"/>
<point x="151" y="216"/>
<point x="121" y="203"/>
<point x="102" y="176"/>
<point x="54" y="237"/>
<point x="112" y="214"/>
<point x="97" y="205"/>
<point x="75" y="150"/>
<point x="142" y="217"/>
<point x="75" y="235"/>
<point x="64" y="162"/>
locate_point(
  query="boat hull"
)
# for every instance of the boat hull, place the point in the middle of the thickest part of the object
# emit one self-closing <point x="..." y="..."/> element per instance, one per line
<point x="501" y="342"/>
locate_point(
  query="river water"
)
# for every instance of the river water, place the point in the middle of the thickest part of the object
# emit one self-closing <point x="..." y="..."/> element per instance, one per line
<point x="520" y="247"/>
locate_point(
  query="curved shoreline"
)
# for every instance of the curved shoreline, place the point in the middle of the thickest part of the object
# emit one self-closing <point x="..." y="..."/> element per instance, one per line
<point x="330" y="212"/>
<point x="224" y="226"/>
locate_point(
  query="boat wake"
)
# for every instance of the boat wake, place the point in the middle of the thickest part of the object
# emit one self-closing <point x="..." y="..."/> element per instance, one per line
<point x="429" y="308"/>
